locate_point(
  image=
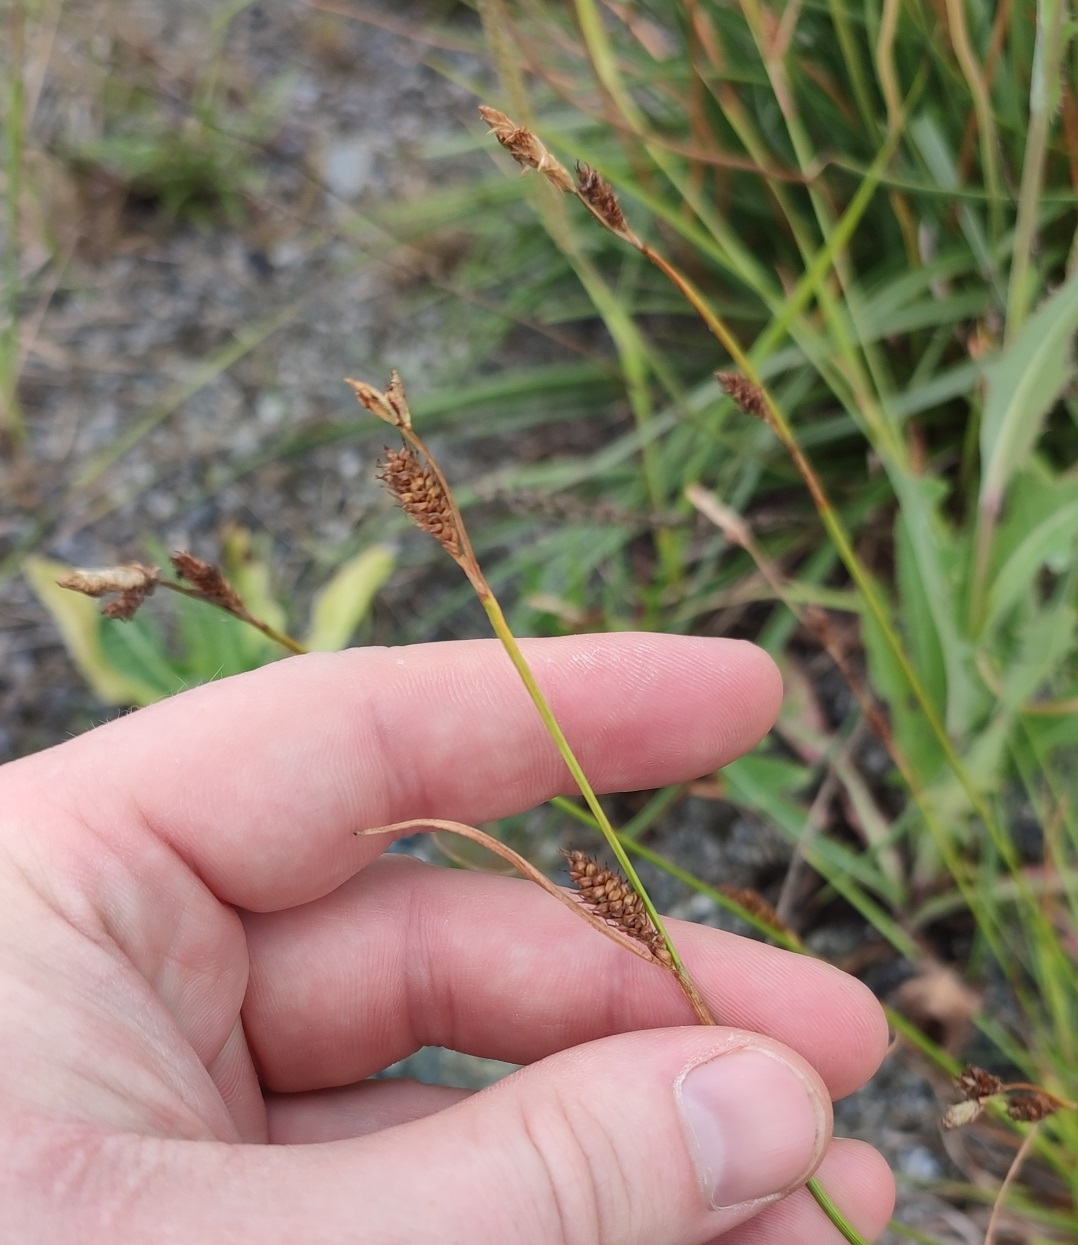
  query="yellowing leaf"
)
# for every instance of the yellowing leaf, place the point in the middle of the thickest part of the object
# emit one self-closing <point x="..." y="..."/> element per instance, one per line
<point x="346" y="599"/>
<point x="79" y="621"/>
<point x="246" y="565"/>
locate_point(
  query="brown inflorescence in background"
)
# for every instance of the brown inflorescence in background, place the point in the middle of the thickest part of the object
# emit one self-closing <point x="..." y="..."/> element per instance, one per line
<point x="748" y="396"/>
<point x="756" y="905"/>
<point x="599" y="195"/>
<point x="1024" y="1102"/>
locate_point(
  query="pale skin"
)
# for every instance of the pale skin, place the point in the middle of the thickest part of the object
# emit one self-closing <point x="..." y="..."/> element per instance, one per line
<point x="199" y="957"/>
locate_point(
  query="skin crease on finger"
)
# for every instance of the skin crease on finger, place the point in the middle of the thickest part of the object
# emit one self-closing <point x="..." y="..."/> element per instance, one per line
<point x="124" y="878"/>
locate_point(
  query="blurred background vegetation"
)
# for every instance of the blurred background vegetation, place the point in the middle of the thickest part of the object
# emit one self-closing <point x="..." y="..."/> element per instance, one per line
<point x="878" y="200"/>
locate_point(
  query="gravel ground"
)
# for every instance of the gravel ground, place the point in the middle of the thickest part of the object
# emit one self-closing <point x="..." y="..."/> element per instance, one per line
<point x="129" y="321"/>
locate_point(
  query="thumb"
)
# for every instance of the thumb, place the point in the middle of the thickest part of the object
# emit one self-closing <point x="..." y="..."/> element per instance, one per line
<point x="670" y="1136"/>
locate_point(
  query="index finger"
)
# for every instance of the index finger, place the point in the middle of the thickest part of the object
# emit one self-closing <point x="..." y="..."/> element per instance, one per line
<point x="258" y="781"/>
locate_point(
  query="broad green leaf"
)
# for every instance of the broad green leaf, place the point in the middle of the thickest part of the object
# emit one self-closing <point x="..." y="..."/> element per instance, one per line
<point x="345" y="601"/>
<point x="138" y="650"/>
<point x="79" y="621"/>
<point x="917" y="742"/>
<point x="244" y="564"/>
<point x="215" y="645"/>
<point x="1039" y="528"/>
<point x="929" y="584"/>
<point x="937" y="150"/>
<point x="1023" y="385"/>
<point x="1044" y="645"/>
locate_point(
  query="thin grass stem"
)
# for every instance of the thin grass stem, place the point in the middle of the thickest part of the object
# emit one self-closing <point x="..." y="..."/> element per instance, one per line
<point x="1044" y="95"/>
<point x="271" y="633"/>
<point x="12" y="427"/>
<point x="520" y="664"/>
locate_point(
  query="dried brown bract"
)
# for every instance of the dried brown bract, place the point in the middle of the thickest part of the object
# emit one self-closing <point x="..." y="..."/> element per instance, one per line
<point x="607" y="894"/>
<point x="975" y="1083"/>
<point x="131" y="583"/>
<point x="599" y="195"/>
<point x="961" y="1114"/>
<point x="207" y="580"/>
<point x="748" y="396"/>
<point x="421" y="497"/>
<point x="526" y="149"/>
<point x="130" y="577"/>
<point x="392" y="406"/>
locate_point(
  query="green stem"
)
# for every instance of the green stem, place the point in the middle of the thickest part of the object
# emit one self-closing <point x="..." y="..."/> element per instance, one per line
<point x="271" y="633"/>
<point x="11" y="423"/>
<point x="469" y="564"/>
<point x="1044" y="95"/>
<point x="834" y="1214"/>
<point x="509" y="643"/>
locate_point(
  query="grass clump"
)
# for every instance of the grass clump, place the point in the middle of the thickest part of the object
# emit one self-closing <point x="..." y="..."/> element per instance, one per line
<point x="873" y="214"/>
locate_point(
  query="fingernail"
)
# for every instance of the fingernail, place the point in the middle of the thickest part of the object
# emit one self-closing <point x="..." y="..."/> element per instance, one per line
<point x="753" y="1124"/>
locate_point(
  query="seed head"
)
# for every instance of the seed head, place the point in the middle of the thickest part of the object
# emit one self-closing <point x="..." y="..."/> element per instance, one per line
<point x="611" y="897"/>
<point x="975" y="1084"/>
<point x="1031" y="1105"/>
<point x="421" y="497"/>
<point x="132" y="583"/>
<point x="207" y="579"/>
<point x="599" y="195"/>
<point x="755" y="904"/>
<point x="526" y="149"/>
<point x="746" y="395"/>
<point x="1026" y="1103"/>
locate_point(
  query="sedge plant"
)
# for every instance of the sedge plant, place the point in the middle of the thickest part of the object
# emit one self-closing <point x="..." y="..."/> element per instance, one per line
<point x="620" y="906"/>
<point x="923" y="666"/>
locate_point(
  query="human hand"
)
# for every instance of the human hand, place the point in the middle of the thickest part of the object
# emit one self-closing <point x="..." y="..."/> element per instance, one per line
<point x="198" y="957"/>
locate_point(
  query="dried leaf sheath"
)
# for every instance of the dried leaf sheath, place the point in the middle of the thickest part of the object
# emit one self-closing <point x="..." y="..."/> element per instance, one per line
<point x="607" y="894"/>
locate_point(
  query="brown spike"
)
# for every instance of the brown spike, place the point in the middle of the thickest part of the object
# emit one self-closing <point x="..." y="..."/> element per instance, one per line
<point x="975" y="1084"/>
<point x="746" y="395"/>
<point x="421" y="497"/>
<point x="599" y="195"/>
<point x="525" y="148"/>
<point x="1031" y="1105"/>
<point x="611" y="897"/>
<point x="207" y="579"/>
<point x="753" y="902"/>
